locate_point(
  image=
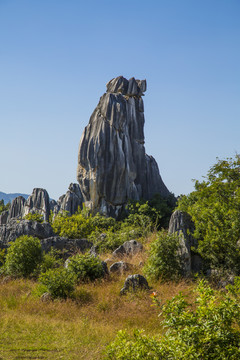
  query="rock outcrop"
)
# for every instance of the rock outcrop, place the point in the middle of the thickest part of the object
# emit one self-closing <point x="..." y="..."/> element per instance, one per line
<point x="112" y="164"/>
<point x="38" y="203"/>
<point x="16" y="208"/>
<point x="4" y="217"/>
<point x="72" y="200"/>
<point x="182" y="224"/>
<point x="15" y="228"/>
<point x="129" y="248"/>
<point x="69" y="245"/>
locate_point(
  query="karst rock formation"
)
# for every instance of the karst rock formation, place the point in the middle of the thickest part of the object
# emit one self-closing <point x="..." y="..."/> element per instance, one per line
<point x="113" y="166"/>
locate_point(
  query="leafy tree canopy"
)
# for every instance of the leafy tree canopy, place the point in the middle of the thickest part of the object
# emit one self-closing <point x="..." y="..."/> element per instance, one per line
<point x="215" y="210"/>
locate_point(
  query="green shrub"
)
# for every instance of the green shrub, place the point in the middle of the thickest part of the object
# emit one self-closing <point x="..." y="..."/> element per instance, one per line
<point x="81" y="224"/>
<point x="86" y="267"/>
<point x="59" y="283"/>
<point x="164" y="260"/>
<point x="135" y="347"/>
<point x="215" y="210"/>
<point x="23" y="256"/>
<point x="207" y="330"/>
<point x="51" y="260"/>
<point x="34" y="217"/>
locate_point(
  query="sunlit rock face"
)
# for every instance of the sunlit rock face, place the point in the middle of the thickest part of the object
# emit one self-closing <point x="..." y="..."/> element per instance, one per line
<point x="38" y="203"/>
<point x="112" y="163"/>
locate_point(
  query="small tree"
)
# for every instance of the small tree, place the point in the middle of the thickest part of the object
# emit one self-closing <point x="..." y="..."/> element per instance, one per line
<point x="23" y="256"/>
<point x="164" y="260"/>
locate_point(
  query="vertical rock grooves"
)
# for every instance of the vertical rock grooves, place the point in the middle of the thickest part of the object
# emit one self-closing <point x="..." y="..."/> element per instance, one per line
<point x="112" y="164"/>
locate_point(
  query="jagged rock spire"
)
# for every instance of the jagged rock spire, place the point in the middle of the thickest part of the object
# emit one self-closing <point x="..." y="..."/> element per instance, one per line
<point x="112" y="164"/>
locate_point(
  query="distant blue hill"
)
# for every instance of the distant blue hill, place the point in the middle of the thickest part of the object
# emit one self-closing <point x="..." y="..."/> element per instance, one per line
<point x="9" y="197"/>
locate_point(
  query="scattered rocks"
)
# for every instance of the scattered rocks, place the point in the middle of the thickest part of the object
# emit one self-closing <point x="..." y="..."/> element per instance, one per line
<point x="134" y="283"/>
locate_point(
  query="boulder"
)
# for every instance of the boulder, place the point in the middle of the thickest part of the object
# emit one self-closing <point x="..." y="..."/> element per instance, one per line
<point x="120" y="267"/>
<point x="61" y="243"/>
<point x="15" y="228"/>
<point x="112" y="163"/>
<point x="134" y="283"/>
<point x="38" y="203"/>
<point x="129" y="248"/>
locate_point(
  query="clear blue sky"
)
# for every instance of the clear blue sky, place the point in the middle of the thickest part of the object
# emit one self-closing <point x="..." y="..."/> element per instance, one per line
<point x="57" y="55"/>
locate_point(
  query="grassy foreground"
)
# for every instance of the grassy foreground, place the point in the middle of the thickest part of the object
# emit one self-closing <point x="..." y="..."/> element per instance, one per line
<point x="33" y="329"/>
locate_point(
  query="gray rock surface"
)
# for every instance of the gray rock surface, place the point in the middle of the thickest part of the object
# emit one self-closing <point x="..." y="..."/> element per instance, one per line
<point x="112" y="164"/>
<point x="38" y="203"/>
<point x="129" y="248"/>
<point x="70" y="245"/>
<point x="16" y="208"/>
<point x="134" y="283"/>
<point x="4" y="217"/>
<point x="120" y="267"/>
<point x="15" y="228"/>
<point x="71" y="200"/>
<point x="182" y="224"/>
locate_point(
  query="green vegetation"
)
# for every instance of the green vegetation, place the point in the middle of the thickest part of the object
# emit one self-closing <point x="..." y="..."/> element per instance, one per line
<point x="4" y="207"/>
<point x="59" y="283"/>
<point x="85" y="267"/>
<point x="203" y="331"/>
<point x="34" y="217"/>
<point x="23" y="256"/>
<point x="196" y="321"/>
<point x="164" y="261"/>
<point x="215" y="209"/>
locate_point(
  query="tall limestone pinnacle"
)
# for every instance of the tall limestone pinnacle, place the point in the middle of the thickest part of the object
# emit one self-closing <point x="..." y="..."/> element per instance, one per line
<point x="113" y="166"/>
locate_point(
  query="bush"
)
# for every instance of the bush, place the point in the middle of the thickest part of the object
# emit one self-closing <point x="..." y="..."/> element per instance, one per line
<point x="51" y="260"/>
<point x="59" y="283"/>
<point x="23" y="256"/>
<point x="215" y="210"/>
<point x="86" y="267"/>
<point x="34" y="217"/>
<point x="138" y="346"/>
<point x="206" y="330"/>
<point x="164" y="260"/>
<point x="81" y="224"/>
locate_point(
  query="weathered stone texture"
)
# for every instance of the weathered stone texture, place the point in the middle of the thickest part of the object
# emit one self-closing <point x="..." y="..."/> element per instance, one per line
<point x="182" y="224"/>
<point x="15" y="228"/>
<point x="112" y="164"/>
<point x="71" y="200"/>
<point x="38" y="203"/>
<point x="16" y="208"/>
<point x="134" y="283"/>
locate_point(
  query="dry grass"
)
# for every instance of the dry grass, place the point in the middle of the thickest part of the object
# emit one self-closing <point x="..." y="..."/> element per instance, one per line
<point x="80" y="329"/>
